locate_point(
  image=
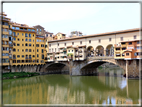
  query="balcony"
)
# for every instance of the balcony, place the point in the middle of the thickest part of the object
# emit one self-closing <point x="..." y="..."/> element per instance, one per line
<point x="5" y="26"/>
<point x="5" y="39"/>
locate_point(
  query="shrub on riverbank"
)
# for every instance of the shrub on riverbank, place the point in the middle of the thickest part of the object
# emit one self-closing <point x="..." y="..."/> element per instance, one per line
<point x="18" y="74"/>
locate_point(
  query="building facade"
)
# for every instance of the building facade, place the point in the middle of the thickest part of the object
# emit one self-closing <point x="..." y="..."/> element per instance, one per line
<point x="94" y="45"/>
<point x="5" y="40"/>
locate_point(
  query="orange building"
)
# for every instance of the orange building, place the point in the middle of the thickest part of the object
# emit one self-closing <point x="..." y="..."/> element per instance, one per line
<point x="128" y="50"/>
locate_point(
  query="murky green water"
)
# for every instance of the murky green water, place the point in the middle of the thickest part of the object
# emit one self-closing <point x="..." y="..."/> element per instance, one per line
<point x="65" y="89"/>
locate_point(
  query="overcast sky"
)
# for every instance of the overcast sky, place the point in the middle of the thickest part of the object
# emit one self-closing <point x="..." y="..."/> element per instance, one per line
<point x="89" y="18"/>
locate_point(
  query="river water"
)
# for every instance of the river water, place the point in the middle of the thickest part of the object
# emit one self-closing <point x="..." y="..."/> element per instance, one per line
<point x="65" y="89"/>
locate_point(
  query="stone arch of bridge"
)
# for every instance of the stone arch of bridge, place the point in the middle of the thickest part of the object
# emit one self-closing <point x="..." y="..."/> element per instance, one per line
<point x="99" y="50"/>
<point x="56" y="67"/>
<point x="97" y="63"/>
<point x="109" y="50"/>
<point x="90" y="51"/>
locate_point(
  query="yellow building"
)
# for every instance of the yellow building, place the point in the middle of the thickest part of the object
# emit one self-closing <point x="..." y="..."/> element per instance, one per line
<point x="59" y="36"/>
<point x="5" y="39"/>
<point x="40" y="49"/>
<point x="23" y="44"/>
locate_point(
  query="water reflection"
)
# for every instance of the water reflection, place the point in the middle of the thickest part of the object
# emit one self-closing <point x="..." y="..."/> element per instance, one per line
<point x="64" y="89"/>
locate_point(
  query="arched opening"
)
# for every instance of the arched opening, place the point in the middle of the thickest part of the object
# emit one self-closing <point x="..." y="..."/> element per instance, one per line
<point x="99" y="51"/>
<point x="109" y="50"/>
<point x="97" y="68"/>
<point x="90" y="51"/>
<point x="57" y="68"/>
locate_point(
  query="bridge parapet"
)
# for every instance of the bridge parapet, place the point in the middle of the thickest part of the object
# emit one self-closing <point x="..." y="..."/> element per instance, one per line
<point x="100" y="58"/>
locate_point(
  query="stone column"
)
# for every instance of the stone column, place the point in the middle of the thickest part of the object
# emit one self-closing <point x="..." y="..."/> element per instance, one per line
<point x="104" y="52"/>
<point x="126" y="69"/>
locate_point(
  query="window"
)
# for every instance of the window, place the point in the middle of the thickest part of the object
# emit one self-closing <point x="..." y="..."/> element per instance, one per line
<point x="65" y="44"/>
<point x="37" y="50"/>
<point x="45" y="46"/>
<point x="42" y="50"/>
<point x="22" y="50"/>
<point x="138" y="42"/>
<point x="14" y="39"/>
<point x="14" y="34"/>
<point x="130" y="43"/>
<point x="29" y="40"/>
<point x="117" y="48"/>
<point x="72" y="50"/>
<point x="124" y="48"/>
<point x="26" y="39"/>
<point x="42" y="56"/>
<point x="26" y="35"/>
<point x="22" y="44"/>
<point x="37" y="40"/>
<point x="37" y="45"/>
<point x="127" y="54"/>
<point x="18" y="44"/>
<point x="49" y="45"/>
<point x="33" y="40"/>
<point x="89" y="41"/>
<point x="33" y="45"/>
<point x="30" y="35"/>
<point x="18" y="50"/>
<point x="29" y="29"/>
<point x="58" y="44"/>
<point x="17" y="28"/>
<point x="55" y="49"/>
<point x="29" y="44"/>
<point x="22" y="39"/>
<point x="80" y="42"/>
<point x="42" y="45"/>
<point x="33" y="30"/>
<point x="37" y="61"/>
<point x="37" y="55"/>
<point x="18" y="39"/>
<point x="26" y="44"/>
<point x="17" y="33"/>
<point x="72" y="43"/>
<point x="121" y="38"/>
<point x="22" y="56"/>
<point x="68" y="50"/>
<point x="18" y="56"/>
<point x="109" y="39"/>
<point x="40" y="30"/>
<point x="13" y="27"/>
<point x="26" y="50"/>
<point x="99" y="40"/>
<point x="135" y="36"/>
<point x="50" y="35"/>
<point x="33" y="56"/>
<point x="29" y="50"/>
<point x="22" y="34"/>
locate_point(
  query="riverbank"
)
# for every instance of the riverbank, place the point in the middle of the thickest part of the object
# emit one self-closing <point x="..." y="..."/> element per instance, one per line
<point x="12" y="75"/>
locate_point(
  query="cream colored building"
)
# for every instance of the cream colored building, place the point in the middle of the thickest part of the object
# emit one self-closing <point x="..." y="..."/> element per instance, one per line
<point x="97" y="44"/>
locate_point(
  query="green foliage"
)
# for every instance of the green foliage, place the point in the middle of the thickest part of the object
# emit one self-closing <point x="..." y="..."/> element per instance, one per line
<point x="70" y="54"/>
<point x="18" y="74"/>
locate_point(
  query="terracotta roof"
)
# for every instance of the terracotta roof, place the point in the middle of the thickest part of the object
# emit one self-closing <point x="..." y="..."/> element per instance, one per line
<point x="71" y="47"/>
<point x="39" y="26"/>
<point x="48" y="33"/>
<point x="101" y="34"/>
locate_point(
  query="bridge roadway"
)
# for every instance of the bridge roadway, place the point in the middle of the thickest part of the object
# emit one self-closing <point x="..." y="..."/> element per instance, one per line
<point x="90" y="65"/>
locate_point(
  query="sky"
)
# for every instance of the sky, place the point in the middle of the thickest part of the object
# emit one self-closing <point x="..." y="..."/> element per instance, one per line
<point x="89" y="18"/>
